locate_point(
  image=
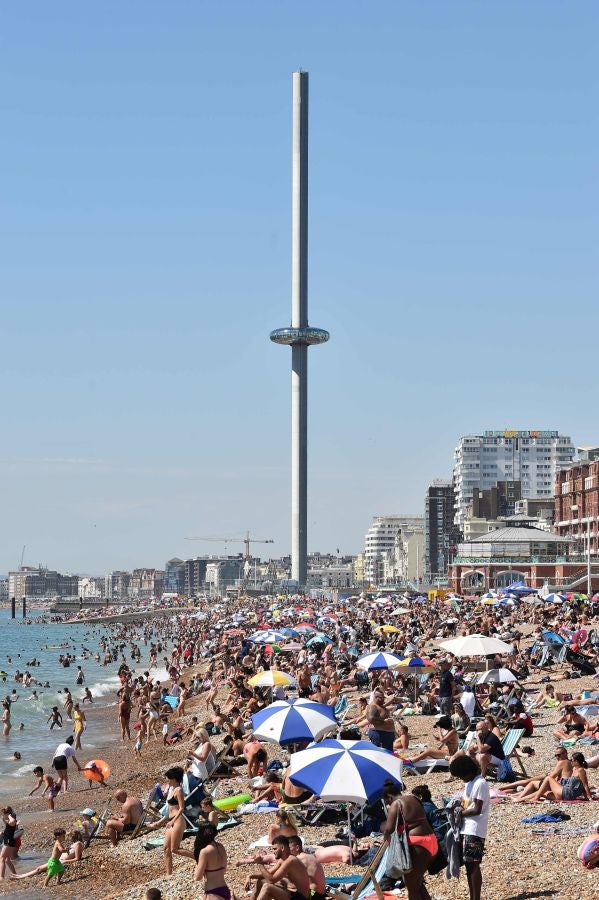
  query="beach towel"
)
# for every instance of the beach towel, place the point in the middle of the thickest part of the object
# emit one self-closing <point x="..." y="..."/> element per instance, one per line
<point x="554" y="817"/>
<point x="453" y="843"/>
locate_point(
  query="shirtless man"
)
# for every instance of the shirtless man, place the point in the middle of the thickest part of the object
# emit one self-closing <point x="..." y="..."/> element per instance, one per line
<point x="314" y="868"/>
<point x="291" y="793"/>
<point x="561" y="769"/>
<point x="132" y="810"/>
<point x="125" y="714"/>
<point x="287" y="880"/>
<point x="382" y="727"/>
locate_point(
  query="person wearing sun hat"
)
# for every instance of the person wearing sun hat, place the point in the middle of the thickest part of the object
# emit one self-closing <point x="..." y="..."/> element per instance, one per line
<point x="88" y="823"/>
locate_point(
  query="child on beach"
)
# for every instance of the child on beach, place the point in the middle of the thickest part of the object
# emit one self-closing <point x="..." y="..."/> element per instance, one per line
<point x="55" y="718"/>
<point x="51" y="787"/>
<point x="54" y="865"/>
<point x="138" y="745"/>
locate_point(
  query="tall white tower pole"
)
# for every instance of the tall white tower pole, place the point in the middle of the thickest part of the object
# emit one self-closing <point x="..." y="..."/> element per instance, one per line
<point x="300" y="336"/>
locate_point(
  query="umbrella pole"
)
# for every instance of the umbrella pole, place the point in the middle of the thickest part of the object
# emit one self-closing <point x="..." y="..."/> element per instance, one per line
<point x="351" y="858"/>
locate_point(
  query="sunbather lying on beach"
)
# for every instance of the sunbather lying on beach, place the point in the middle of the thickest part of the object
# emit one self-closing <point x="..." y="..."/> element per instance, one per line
<point x="572" y="787"/>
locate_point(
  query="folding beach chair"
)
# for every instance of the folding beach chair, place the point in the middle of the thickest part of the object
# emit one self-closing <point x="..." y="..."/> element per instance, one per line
<point x="429" y="765"/>
<point x="509" y="744"/>
<point x="373" y="876"/>
<point x="341" y="709"/>
<point x="148" y="810"/>
<point x="100" y="822"/>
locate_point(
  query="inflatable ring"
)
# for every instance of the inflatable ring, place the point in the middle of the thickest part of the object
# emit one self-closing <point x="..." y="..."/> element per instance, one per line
<point x="96" y="770"/>
<point x="232" y="802"/>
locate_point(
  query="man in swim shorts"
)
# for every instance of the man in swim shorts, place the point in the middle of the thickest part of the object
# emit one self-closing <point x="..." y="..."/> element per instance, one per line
<point x="132" y="811"/>
<point x="314" y="868"/>
<point x="269" y="882"/>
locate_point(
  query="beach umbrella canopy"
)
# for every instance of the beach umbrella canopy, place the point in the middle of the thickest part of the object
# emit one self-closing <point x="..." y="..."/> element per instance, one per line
<point x="400" y="611"/>
<point x="319" y="638"/>
<point x="417" y="665"/>
<point x="267" y="637"/>
<point x="378" y="661"/>
<point x="496" y="676"/>
<point x="346" y="771"/>
<point x="272" y="678"/>
<point x="475" y="645"/>
<point x="554" y="598"/>
<point x="387" y="629"/>
<point x="305" y="629"/>
<point x="290" y="647"/>
<point x="327" y="620"/>
<point x="290" y="632"/>
<point x="285" y="722"/>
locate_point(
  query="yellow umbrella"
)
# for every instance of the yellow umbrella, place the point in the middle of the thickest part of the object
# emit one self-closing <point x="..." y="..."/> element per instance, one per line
<point x="271" y="678"/>
<point x="388" y="629"/>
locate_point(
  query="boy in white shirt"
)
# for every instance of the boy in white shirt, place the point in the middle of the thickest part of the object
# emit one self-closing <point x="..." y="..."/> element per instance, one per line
<point x="476" y="803"/>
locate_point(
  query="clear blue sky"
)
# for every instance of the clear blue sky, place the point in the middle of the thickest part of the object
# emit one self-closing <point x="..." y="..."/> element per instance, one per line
<point x="145" y="256"/>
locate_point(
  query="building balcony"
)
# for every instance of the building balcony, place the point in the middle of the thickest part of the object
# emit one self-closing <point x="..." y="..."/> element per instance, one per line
<point x="517" y="560"/>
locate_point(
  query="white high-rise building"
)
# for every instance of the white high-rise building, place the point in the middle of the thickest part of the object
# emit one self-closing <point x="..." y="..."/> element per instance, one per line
<point x="531" y="457"/>
<point x="380" y="538"/>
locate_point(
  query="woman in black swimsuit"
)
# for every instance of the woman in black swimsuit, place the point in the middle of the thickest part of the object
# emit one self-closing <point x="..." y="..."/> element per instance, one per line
<point x="8" y="841"/>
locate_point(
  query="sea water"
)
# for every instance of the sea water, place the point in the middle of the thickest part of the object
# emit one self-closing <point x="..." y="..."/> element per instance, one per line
<point x="21" y="643"/>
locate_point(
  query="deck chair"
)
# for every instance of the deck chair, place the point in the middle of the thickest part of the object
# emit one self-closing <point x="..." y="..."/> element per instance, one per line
<point x="341" y="709"/>
<point x="220" y="762"/>
<point x="374" y="874"/>
<point x="100" y="822"/>
<point x="510" y="742"/>
<point x="148" y="810"/>
<point x="431" y="764"/>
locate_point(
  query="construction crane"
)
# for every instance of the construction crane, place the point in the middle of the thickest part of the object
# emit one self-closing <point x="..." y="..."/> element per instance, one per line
<point x="247" y="541"/>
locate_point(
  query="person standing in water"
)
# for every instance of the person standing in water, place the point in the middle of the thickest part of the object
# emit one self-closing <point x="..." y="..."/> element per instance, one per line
<point x="79" y="726"/>
<point x="6" y="726"/>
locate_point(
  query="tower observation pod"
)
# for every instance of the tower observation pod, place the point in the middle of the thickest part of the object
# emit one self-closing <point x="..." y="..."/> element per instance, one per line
<point x="299" y="336"/>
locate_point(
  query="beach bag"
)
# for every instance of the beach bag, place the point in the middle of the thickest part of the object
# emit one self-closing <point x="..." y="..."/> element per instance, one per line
<point x="505" y="773"/>
<point x="399" y="858"/>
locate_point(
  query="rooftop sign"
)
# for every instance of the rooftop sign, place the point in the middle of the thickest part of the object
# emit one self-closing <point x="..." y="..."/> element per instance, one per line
<point x="520" y="434"/>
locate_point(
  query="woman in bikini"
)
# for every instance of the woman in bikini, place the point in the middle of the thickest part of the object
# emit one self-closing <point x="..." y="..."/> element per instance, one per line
<point x="175" y="821"/>
<point x="406" y="812"/>
<point x="573" y="787"/>
<point x="211" y="862"/>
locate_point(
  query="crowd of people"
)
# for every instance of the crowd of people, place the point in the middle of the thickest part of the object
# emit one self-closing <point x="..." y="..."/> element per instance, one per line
<point x="205" y="705"/>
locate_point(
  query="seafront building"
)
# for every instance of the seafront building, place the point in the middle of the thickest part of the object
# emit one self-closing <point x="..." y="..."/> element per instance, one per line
<point x="577" y="501"/>
<point x="519" y="551"/>
<point x="532" y="458"/>
<point x="380" y="539"/>
<point x="439" y="528"/>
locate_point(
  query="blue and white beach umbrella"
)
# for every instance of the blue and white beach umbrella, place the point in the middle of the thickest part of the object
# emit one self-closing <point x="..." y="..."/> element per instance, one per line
<point x="554" y="598"/>
<point x="267" y="637"/>
<point x="285" y="722"/>
<point x="378" y="661"/>
<point x="346" y="771"/>
<point x="319" y="638"/>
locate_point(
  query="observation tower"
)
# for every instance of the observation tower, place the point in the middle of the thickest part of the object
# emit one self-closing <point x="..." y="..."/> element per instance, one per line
<point x="299" y="336"/>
